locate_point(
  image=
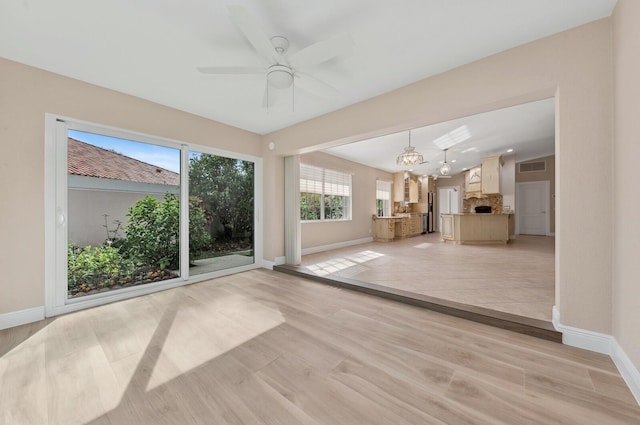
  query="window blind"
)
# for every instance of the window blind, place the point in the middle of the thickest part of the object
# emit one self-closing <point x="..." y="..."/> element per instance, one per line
<point x="383" y="190"/>
<point x="310" y="179"/>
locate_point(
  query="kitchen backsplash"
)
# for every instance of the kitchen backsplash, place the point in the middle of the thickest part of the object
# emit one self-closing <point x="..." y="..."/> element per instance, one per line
<point x="494" y="201"/>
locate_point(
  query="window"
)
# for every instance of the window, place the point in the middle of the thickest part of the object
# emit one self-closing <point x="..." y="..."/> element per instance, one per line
<point x="324" y="194"/>
<point x="383" y="198"/>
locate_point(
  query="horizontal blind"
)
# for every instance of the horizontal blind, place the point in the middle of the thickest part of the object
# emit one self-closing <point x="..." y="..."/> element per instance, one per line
<point x="337" y="183"/>
<point x="310" y="179"/>
<point x="383" y="190"/>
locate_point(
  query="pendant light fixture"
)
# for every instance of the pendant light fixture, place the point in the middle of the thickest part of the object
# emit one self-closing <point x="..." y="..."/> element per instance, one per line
<point x="409" y="156"/>
<point x="445" y="169"/>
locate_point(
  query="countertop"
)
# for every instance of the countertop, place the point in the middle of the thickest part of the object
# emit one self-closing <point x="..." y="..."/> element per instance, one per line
<point x="396" y="216"/>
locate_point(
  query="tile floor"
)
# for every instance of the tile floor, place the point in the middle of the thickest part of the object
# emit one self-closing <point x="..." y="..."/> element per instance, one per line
<point x="517" y="278"/>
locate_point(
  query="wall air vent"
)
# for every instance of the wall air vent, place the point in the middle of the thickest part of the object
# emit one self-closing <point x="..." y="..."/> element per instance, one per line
<point x="530" y="167"/>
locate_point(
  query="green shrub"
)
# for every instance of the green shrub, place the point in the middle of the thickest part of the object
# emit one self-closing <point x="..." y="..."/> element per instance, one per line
<point x="91" y="267"/>
<point x="152" y="233"/>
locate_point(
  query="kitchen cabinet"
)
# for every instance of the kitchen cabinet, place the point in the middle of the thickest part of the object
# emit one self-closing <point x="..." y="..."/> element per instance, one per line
<point x="414" y="189"/>
<point x="386" y="229"/>
<point x="415" y="224"/>
<point x="402" y="228"/>
<point x="473" y="183"/>
<point x="398" y="187"/>
<point x="405" y="188"/>
<point x="491" y="174"/>
<point x="446" y="233"/>
<point x="383" y="229"/>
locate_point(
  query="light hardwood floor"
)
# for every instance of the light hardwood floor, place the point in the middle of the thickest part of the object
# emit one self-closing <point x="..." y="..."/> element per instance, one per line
<point x="263" y="347"/>
<point x="517" y="278"/>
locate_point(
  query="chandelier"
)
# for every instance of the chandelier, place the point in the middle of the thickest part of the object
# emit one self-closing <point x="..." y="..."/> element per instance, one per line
<point x="409" y="156"/>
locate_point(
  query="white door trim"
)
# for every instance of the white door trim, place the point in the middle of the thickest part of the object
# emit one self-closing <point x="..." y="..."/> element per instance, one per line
<point x="547" y="205"/>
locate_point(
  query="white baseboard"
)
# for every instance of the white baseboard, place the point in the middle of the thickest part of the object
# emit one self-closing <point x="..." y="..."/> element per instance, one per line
<point x="266" y="264"/>
<point x="627" y="369"/>
<point x="21" y="317"/>
<point x="601" y="343"/>
<point x="576" y="337"/>
<point x="316" y="249"/>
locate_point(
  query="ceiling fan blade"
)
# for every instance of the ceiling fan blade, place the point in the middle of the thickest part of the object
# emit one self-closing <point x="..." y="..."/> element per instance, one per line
<point x="231" y="70"/>
<point x="314" y="86"/>
<point x="250" y="28"/>
<point x="322" y="51"/>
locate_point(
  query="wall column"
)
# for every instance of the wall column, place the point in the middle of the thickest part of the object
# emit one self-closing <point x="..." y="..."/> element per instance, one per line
<point x="292" y="231"/>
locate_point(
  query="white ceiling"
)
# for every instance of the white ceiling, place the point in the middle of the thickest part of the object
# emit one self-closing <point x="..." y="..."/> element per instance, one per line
<point x="151" y="48"/>
<point x="527" y="129"/>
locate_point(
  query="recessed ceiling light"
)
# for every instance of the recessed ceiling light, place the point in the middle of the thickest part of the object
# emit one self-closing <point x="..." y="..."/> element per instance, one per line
<point x="453" y="160"/>
<point x="465" y="169"/>
<point x="509" y="150"/>
<point x="410" y="169"/>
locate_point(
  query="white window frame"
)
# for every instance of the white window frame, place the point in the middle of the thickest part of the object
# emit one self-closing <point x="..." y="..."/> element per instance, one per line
<point x="56" y="301"/>
<point x="383" y="193"/>
<point x="321" y="189"/>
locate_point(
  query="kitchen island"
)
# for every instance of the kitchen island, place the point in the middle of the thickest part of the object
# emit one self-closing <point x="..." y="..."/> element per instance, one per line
<point x="476" y="228"/>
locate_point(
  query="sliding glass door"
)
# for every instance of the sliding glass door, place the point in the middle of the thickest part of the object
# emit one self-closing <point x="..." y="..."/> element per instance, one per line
<point x="221" y="220"/>
<point x="132" y="214"/>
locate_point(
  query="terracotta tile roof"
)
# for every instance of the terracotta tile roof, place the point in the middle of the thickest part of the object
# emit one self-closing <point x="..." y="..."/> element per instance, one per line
<point x="91" y="161"/>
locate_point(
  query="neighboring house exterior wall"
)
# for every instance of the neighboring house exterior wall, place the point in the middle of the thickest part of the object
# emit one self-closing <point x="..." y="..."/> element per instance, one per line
<point x="88" y="201"/>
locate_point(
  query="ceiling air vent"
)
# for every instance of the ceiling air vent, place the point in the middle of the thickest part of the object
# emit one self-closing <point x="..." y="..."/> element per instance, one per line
<point x="529" y="167"/>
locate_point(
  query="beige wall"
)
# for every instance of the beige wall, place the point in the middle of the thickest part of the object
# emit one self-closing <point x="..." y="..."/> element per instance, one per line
<point x="26" y="94"/>
<point x="548" y="175"/>
<point x="575" y="66"/>
<point x="508" y="181"/>
<point x="626" y="227"/>
<point x="363" y="203"/>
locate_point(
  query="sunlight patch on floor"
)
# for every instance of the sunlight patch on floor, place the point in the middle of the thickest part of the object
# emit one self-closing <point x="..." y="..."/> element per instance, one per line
<point x="337" y="264"/>
<point x="423" y="245"/>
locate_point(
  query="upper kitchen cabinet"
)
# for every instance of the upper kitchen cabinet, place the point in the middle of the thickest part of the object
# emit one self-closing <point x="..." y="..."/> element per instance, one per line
<point x="491" y="174"/>
<point x="414" y="189"/>
<point x="405" y="188"/>
<point x="473" y="183"/>
<point x="398" y="187"/>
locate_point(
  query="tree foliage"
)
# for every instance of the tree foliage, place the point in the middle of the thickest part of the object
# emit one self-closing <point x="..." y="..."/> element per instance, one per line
<point x="225" y="185"/>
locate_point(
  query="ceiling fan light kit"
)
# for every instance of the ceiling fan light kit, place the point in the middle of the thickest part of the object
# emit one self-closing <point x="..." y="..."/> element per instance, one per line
<point x="280" y="77"/>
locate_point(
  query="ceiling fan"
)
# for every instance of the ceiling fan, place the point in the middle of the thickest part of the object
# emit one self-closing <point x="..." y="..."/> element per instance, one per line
<point x="282" y="71"/>
<point x="444" y="170"/>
